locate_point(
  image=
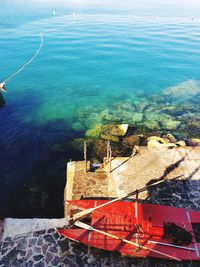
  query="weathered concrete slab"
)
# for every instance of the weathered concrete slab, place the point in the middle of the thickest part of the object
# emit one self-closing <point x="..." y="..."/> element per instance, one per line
<point x="135" y="172"/>
<point x="16" y="227"/>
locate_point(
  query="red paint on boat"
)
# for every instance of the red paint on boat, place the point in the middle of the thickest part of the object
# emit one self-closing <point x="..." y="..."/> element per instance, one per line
<point x="119" y="219"/>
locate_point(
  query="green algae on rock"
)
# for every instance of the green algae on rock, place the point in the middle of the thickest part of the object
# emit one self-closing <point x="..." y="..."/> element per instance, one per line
<point x="193" y="127"/>
<point x="108" y="132"/>
<point x="175" y="111"/>
<point x="95" y="131"/>
<point x="137" y="117"/>
<point x="159" y="121"/>
<point x="168" y="123"/>
<point x="152" y="125"/>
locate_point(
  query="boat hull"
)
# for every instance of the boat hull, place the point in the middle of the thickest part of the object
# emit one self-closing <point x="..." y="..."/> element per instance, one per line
<point x="145" y="229"/>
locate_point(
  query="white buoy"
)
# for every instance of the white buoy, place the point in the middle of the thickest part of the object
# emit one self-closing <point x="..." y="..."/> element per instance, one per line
<point x="54" y="12"/>
<point x="74" y="14"/>
<point x="2" y="87"/>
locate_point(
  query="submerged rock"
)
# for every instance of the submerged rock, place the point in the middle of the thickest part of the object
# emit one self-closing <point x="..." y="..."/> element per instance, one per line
<point x="170" y="138"/>
<point x="94" y="132"/>
<point x="113" y="132"/>
<point x="143" y="106"/>
<point x="160" y="121"/>
<point x="168" y="123"/>
<point x="108" y="132"/>
<point x="78" y="127"/>
<point x="131" y="141"/>
<point x="110" y="137"/>
<point x="118" y="130"/>
<point x="155" y="143"/>
<point x="196" y="141"/>
<point x="180" y="143"/>
<point x="137" y="117"/>
<point x="152" y="125"/>
<point x="193" y="127"/>
<point x="157" y="139"/>
<point x="184" y="90"/>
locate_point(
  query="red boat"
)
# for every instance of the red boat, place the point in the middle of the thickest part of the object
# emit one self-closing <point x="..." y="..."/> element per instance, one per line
<point x="136" y="229"/>
<point x="158" y="231"/>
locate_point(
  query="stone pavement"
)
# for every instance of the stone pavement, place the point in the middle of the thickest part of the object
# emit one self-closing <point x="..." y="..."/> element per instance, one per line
<point x="36" y="249"/>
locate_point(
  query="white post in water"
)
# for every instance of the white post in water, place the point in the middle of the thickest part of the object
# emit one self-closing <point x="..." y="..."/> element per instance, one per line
<point x="85" y="155"/>
<point x="108" y="149"/>
<point x="109" y="155"/>
<point x="110" y="158"/>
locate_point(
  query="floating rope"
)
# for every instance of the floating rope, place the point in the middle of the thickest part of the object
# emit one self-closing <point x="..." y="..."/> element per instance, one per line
<point x="29" y="62"/>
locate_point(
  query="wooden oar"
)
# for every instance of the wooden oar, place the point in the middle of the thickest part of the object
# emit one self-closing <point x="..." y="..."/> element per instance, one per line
<point x="90" y="228"/>
<point x="170" y="245"/>
<point x="88" y="211"/>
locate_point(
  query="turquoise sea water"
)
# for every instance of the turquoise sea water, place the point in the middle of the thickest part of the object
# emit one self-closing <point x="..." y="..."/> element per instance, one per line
<point x="99" y="65"/>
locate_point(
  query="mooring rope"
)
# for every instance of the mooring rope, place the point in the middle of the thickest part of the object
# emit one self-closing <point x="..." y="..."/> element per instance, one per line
<point x="29" y="62"/>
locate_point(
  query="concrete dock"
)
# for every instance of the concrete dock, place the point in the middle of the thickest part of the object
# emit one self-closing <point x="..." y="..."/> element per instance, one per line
<point x="125" y="174"/>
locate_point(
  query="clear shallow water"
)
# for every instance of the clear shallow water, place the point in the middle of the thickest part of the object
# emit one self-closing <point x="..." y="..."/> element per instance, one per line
<point x="95" y="67"/>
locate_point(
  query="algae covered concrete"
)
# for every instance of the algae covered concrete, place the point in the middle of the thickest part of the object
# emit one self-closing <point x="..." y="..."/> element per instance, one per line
<point x="126" y="174"/>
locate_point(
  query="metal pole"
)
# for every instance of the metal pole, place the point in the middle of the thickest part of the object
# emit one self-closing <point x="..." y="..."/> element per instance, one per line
<point x="108" y="148"/>
<point x="85" y="155"/>
<point x="110" y="158"/>
<point x="170" y="245"/>
<point x="136" y="217"/>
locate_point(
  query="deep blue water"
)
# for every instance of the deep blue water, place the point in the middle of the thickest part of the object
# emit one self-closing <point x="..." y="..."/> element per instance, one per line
<point x="95" y="65"/>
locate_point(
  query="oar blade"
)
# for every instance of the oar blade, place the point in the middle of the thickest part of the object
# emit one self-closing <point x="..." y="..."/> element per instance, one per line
<point x="83" y="225"/>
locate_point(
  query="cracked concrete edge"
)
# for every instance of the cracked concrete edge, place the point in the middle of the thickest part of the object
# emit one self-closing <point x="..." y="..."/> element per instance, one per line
<point x="71" y="166"/>
<point x="23" y="227"/>
<point x="68" y="191"/>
